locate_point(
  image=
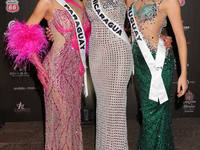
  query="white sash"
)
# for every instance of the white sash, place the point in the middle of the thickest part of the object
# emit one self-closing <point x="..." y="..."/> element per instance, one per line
<point x="80" y="38"/>
<point x="157" y="88"/>
<point x="113" y="26"/>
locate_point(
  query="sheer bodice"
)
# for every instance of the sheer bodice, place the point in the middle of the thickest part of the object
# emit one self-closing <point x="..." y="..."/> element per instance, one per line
<point x="150" y="19"/>
<point x="63" y="29"/>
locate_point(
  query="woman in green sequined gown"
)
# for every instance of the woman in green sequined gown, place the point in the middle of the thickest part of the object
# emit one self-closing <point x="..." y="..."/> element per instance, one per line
<point x="156" y="131"/>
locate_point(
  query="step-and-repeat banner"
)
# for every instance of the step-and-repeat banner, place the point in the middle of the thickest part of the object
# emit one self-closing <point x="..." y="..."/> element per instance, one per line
<point x="21" y="94"/>
<point x="188" y="106"/>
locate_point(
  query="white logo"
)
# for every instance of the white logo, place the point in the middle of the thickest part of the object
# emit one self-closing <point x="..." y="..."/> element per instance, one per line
<point x="177" y="65"/>
<point x="10" y="24"/>
<point x="188" y="82"/>
<point x="21" y="88"/>
<point x="186" y="28"/>
<point x="19" y="74"/>
<point x="20" y="108"/>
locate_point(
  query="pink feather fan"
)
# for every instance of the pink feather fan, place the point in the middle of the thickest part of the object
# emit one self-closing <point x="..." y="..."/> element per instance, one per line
<point x="23" y="40"/>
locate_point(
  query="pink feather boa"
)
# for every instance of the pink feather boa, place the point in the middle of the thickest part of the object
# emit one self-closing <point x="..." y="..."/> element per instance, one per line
<point x="23" y="40"/>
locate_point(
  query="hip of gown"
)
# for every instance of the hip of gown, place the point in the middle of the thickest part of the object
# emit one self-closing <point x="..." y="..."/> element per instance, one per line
<point x="63" y="100"/>
<point x="156" y="131"/>
<point x="111" y="65"/>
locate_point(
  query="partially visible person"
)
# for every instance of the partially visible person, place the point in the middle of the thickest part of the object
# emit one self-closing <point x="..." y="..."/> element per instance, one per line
<point x="154" y="68"/>
<point x="61" y="72"/>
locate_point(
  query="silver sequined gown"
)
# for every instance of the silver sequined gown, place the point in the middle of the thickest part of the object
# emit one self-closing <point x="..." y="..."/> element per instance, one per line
<point x="111" y="62"/>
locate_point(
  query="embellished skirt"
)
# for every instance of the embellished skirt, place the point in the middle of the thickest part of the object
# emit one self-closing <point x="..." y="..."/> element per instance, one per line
<point x="156" y="131"/>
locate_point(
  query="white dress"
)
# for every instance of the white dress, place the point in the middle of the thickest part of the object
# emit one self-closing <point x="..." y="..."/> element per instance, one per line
<point x="111" y="63"/>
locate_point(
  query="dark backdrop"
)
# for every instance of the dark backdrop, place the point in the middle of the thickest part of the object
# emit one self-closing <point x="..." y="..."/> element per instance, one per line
<point x="21" y="96"/>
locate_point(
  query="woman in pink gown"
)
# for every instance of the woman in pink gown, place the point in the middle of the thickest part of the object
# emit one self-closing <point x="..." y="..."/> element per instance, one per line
<point x="60" y="74"/>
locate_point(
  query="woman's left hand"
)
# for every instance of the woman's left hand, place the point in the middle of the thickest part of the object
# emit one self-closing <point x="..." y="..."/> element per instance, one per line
<point x="49" y="35"/>
<point x="167" y="40"/>
<point x="182" y="86"/>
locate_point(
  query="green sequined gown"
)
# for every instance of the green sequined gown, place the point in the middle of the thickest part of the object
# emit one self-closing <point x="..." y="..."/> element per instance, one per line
<point x="156" y="131"/>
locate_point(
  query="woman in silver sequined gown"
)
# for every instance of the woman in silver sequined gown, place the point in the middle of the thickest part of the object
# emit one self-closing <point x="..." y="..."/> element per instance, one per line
<point x="111" y="63"/>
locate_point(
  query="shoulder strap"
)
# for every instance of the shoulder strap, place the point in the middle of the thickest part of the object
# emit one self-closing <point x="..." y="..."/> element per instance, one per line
<point x="72" y="2"/>
<point x="158" y="5"/>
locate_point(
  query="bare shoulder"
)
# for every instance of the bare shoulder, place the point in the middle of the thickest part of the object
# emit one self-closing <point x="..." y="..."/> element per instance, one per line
<point x="84" y="2"/>
<point x="42" y="10"/>
<point x="169" y="5"/>
<point x="128" y="3"/>
<point x="47" y="2"/>
<point x="44" y="4"/>
<point x="48" y="7"/>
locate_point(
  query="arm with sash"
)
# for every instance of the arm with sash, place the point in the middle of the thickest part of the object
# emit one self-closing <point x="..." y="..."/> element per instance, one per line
<point x="80" y="38"/>
<point x="157" y="88"/>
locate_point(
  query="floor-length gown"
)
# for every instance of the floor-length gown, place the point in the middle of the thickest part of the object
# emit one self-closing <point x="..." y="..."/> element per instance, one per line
<point x="156" y="130"/>
<point x="111" y="62"/>
<point x="63" y="99"/>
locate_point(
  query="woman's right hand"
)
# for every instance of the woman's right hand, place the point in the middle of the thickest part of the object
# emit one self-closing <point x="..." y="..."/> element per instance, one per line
<point x="41" y="71"/>
<point x="49" y="34"/>
<point x="43" y="77"/>
<point x="182" y="85"/>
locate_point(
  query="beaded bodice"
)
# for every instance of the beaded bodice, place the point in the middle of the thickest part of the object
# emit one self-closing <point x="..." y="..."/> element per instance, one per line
<point x="147" y="12"/>
<point x="63" y="29"/>
<point x="150" y="19"/>
<point x="114" y="9"/>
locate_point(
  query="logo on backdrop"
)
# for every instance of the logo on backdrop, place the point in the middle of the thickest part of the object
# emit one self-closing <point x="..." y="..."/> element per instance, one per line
<point x="189" y="103"/>
<point x="188" y="82"/>
<point x="185" y="27"/>
<point x="177" y="62"/>
<point x="21" y="88"/>
<point x="20" y="71"/>
<point x="182" y="2"/>
<point x="12" y="6"/>
<point x="10" y="24"/>
<point x="20" y="108"/>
